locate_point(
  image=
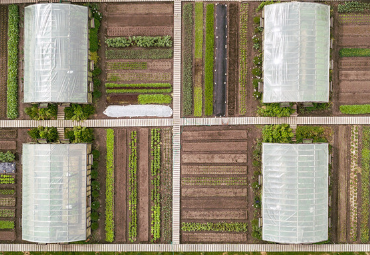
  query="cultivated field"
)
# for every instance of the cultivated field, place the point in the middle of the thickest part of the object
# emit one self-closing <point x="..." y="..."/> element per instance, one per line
<point x="3" y="58"/>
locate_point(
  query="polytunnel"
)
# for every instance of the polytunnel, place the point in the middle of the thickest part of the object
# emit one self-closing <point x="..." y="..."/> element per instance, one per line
<point x="294" y="193"/>
<point x="296" y="52"/>
<point x="55" y="53"/>
<point x="54" y="192"/>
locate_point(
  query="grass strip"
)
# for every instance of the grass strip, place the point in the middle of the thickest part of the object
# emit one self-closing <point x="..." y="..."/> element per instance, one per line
<point x="365" y="163"/>
<point x="354" y="52"/>
<point x="217" y="227"/>
<point x="208" y="69"/>
<point x="137" y="85"/>
<point x="154" y="99"/>
<point x="187" y="64"/>
<point x="139" y="54"/>
<point x="109" y="192"/>
<point x="133" y="187"/>
<point x="120" y="91"/>
<point x="355" y="109"/>
<point x="12" y="82"/>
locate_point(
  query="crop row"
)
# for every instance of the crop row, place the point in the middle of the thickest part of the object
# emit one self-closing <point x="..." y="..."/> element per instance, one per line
<point x="6" y="224"/>
<point x="355" y="109"/>
<point x="139" y="77"/>
<point x="121" y="91"/>
<point x="7" y="191"/>
<point x="365" y="173"/>
<point x="7" y="201"/>
<point x="7" y="156"/>
<point x="154" y="99"/>
<point x="155" y="166"/>
<point x="109" y="192"/>
<point x="166" y="184"/>
<point x="140" y="41"/>
<point x="354" y="18"/>
<point x="139" y="54"/>
<point x="133" y="187"/>
<point x="353" y="6"/>
<point x="209" y="57"/>
<point x="243" y="55"/>
<point x="281" y="133"/>
<point x="7" y="179"/>
<point x="13" y="40"/>
<point x="187" y="63"/>
<point x="7" y="213"/>
<point x="354" y="52"/>
<point x="274" y="110"/>
<point x="127" y="65"/>
<point x="215" y="170"/>
<point x="218" y="227"/>
<point x="229" y="181"/>
<point x="139" y="85"/>
<point x="353" y="183"/>
<point x="198" y="54"/>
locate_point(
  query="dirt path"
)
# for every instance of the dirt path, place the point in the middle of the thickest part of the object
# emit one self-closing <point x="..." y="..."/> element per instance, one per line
<point x="143" y="192"/>
<point x="120" y="202"/>
<point x="342" y="183"/>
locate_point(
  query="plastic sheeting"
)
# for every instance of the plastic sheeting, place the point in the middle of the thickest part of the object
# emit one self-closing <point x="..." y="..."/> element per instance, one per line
<point x="138" y="111"/>
<point x="54" y="192"/>
<point x="295" y="193"/>
<point x="55" y="53"/>
<point x="296" y="52"/>
<point x="6" y="167"/>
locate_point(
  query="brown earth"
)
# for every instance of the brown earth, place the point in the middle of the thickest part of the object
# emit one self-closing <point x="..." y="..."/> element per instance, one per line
<point x="215" y="146"/>
<point x="213" y="158"/>
<point x="215" y="214"/>
<point x="3" y="58"/>
<point x="219" y="170"/>
<point x="141" y="31"/>
<point x="139" y="20"/>
<point x="140" y="8"/>
<point x="122" y="99"/>
<point x="8" y="145"/>
<point x="202" y="237"/>
<point x="7" y="235"/>
<point x="211" y="203"/>
<point x="214" y="135"/>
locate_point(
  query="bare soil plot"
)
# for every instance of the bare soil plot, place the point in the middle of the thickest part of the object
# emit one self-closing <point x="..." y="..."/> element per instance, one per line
<point x="139" y="8"/>
<point x="139" y="20"/>
<point x="7" y="235"/>
<point x="214" y="237"/>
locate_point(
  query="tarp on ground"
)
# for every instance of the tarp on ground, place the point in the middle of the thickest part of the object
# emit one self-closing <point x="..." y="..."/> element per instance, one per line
<point x="296" y="49"/>
<point x="54" y="192"/>
<point x="295" y="193"/>
<point x="55" y="53"/>
<point x="7" y="167"/>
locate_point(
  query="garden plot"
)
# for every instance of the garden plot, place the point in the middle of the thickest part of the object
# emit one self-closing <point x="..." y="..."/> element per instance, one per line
<point x="142" y="185"/>
<point x="214" y="192"/>
<point x="139" y="53"/>
<point x="3" y="58"/>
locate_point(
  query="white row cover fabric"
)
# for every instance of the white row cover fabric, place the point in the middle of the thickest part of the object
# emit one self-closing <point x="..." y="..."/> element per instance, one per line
<point x="54" y="192"/>
<point x="295" y="193"/>
<point x="296" y="51"/>
<point x="55" y="53"/>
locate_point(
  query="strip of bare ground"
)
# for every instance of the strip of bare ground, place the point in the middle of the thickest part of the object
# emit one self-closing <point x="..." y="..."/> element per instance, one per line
<point x="216" y="135"/>
<point x="354" y="75"/>
<point x="215" y="146"/>
<point x="139" y="8"/>
<point x="214" y="237"/>
<point x="354" y="63"/>
<point x="213" y="203"/>
<point x="120" y="186"/>
<point x="143" y="193"/>
<point x="139" y="20"/>
<point x="213" y="158"/>
<point x="209" y="169"/>
<point x="213" y="192"/>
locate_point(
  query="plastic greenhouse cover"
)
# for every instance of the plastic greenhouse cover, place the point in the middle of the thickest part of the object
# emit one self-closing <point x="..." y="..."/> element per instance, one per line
<point x="138" y="111"/>
<point x="295" y="193"/>
<point x="296" y="52"/>
<point x="54" y="192"/>
<point x="55" y="53"/>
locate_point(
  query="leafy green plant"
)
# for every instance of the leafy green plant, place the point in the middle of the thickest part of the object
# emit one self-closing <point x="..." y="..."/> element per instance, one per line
<point x="155" y="166"/>
<point x="187" y="63"/>
<point x="274" y="110"/>
<point x="94" y="36"/>
<point x="355" y="109"/>
<point x="133" y="187"/>
<point x="354" y="52"/>
<point x="79" y="112"/>
<point x="209" y="56"/>
<point x="281" y="133"/>
<point x="365" y="163"/>
<point x="7" y="191"/>
<point x="142" y="91"/>
<point x="154" y="99"/>
<point x="139" y="54"/>
<point x="353" y="6"/>
<point x="95" y="205"/>
<point x="198" y="51"/>
<point x="243" y="56"/>
<point x="6" y="224"/>
<point x="140" y="41"/>
<point x="37" y="113"/>
<point x="7" y="179"/>
<point x="12" y="82"/>
<point x="80" y="134"/>
<point x="48" y="133"/>
<point x="109" y="192"/>
<point x="7" y="213"/>
<point x="256" y="20"/>
<point x="263" y="4"/>
<point x="316" y="133"/>
<point x="7" y="156"/>
<point x="217" y="227"/>
<point x="138" y="85"/>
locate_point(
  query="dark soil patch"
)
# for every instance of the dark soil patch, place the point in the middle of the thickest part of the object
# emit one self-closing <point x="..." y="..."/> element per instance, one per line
<point x="139" y="20"/>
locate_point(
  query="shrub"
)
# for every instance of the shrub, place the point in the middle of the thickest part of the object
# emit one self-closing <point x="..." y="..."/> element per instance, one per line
<point x="257" y="72"/>
<point x="256" y="20"/>
<point x="48" y="133"/>
<point x="12" y="82"/>
<point x="96" y="94"/>
<point x="257" y="95"/>
<point x="353" y="6"/>
<point x="94" y="174"/>
<point x="96" y="154"/>
<point x="154" y="99"/>
<point x="95" y="185"/>
<point x="209" y="56"/>
<point x="95" y="205"/>
<point x="94" y="216"/>
<point x="80" y="135"/>
<point x="255" y="83"/>
<point x="109" y="192"/>
<point x="274" y="110"/>
<point x="354" y="52"/>
<point x="138" y="85"/>
<point x="79" y="112"/>
<point x="94" y="165"/>
<point x="96" y="72"/>
<point x="257" y="60"/>
<point x="95" y="194"/>
<point x="96" y="82"/>
<point x="256" y="230"/>
<point x="355" y="109"/>
<point x="37" y="113"/>
<point x="94" y="225"/>
<point x="281" y="133"/>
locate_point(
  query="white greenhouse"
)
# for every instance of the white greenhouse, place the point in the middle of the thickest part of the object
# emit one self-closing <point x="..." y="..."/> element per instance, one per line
<point x="296" y="52"/>
<point x="56" y="53"/>
<point x="295" y="193"/>
<point x="54" y="193"/>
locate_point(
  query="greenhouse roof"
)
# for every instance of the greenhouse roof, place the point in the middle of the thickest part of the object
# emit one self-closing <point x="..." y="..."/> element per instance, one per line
<point x="295" y="193"/>
<point x="55" y="53"/>
<point x="54" y="192"/>
<point x="296" y="52"/>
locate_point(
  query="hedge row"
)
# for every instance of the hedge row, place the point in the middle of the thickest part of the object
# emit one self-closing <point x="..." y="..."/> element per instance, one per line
<point x="139" y="54"/>
<point x="12" y="83"/>
<point x="208" y="69"/>
<point x="120" y="91"/>
<point x="354" y="52"/>
<point x="138" y="85"/>
<point x="154" y="99"/>
<point x="94" y="36"/>
<point x="140" y="41"/>
<point x="187" y="64"/>
<point x="355" y="109"/>
<point x="109" y="192"/>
